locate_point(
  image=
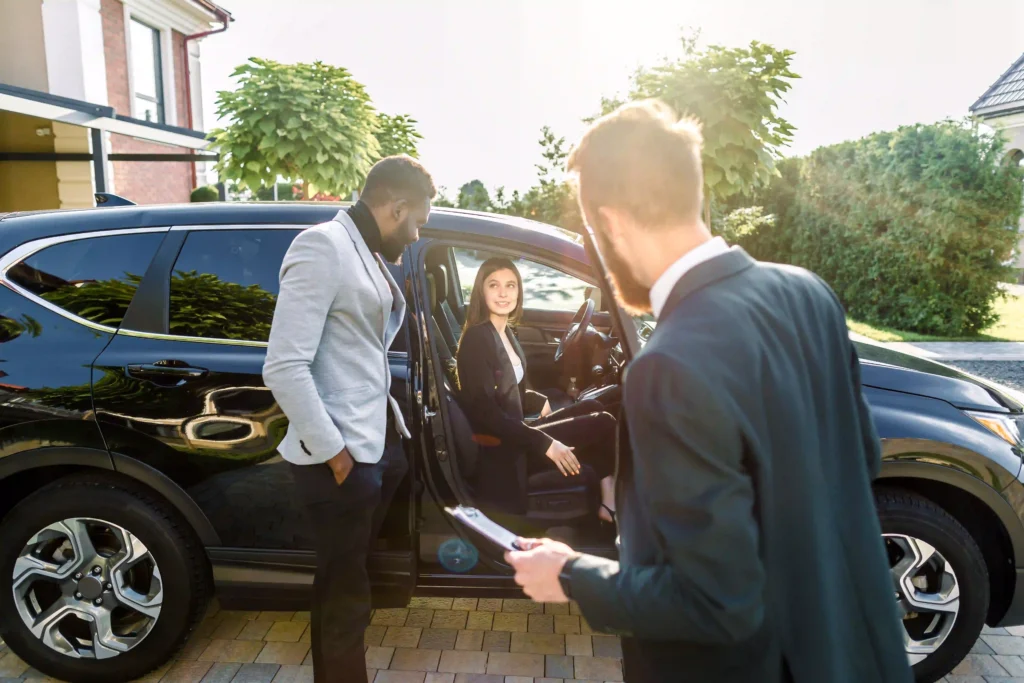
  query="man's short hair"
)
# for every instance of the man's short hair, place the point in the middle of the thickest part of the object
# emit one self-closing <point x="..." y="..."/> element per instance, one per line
<point x="397" y="177"/>
<point x="644" y="160"/>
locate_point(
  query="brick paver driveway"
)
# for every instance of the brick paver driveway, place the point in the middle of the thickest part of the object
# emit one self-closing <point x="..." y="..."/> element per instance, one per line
<point x="441" y="640"/>
<point x="434" y="640"/>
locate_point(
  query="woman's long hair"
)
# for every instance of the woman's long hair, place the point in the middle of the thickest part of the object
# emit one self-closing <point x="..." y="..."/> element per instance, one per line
<point x="478" y="312"/>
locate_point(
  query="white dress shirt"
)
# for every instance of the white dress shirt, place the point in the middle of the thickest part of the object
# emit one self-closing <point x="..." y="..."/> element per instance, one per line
<point x="690" y="260"/>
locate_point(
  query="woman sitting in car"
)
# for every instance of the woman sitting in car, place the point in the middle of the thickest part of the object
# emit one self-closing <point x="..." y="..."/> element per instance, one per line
<point x="494" y="395"/>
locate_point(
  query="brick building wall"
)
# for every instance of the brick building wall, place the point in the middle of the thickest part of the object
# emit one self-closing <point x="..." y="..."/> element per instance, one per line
<point x="143" y="182"/>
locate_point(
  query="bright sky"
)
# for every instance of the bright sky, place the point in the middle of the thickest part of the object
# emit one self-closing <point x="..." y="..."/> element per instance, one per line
<point x="483" y="77"/>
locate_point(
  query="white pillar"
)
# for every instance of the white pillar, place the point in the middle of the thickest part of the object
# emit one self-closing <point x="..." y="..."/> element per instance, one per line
<point x="75" y="63"/>
<point x="76" y="68"/>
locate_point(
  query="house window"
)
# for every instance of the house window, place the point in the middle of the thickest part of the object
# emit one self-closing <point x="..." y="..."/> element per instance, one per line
<point x="147" y="72"/>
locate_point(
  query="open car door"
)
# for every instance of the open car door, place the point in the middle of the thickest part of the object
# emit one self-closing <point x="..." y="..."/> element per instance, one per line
<point x="448" y="439"/>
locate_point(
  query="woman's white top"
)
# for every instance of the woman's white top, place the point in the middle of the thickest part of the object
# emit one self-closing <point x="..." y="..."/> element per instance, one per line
<point x="517" y="363"/>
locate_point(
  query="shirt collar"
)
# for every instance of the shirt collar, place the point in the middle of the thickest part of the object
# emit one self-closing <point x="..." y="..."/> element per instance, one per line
<point x="691" y="259"/>
<point x="366" y="224"/>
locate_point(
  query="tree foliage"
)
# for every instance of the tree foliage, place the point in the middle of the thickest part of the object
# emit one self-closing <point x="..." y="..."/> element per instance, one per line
<point x="740" y="224"/>
<point x="205" y="193"/>
<point x="552" y="199"/>
<point x="474" y="196"/>
<point x="397" y="135"/>
<point x="206" y="306"/>
<point x="911" y="227"/>
<point x="202" y="305"/>
<point x="104" y="301"/>
<point x="309" y="122"/>
<point x="734" y="93"/>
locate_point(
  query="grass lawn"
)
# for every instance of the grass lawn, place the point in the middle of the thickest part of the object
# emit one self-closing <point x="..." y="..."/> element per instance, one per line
<point x="1009" y="328"/>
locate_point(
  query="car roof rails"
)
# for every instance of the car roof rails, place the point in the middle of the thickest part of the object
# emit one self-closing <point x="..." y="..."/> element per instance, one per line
<point x="107" y="199"/>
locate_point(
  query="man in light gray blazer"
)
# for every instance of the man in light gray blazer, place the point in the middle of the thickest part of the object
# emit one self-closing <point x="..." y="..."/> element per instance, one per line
<point x="327" y="365"/>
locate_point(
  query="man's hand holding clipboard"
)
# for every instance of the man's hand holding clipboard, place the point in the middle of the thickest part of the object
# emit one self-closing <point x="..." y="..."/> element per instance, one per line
<point x="538" y="562"/>
<point x="485" y="526"/>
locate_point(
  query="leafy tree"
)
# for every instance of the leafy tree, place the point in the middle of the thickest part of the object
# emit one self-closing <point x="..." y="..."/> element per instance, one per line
<point x="910" y="227"/>
<point x="442" y="199"/>
<point x="734" y="93"/>
<point x="285" y="192"/>
<point x="740" y="224"/>
<point x="206" y="193"/>
<point x="553" y="199"/>
<point x="309" y="122"/>
<point x="397" y="135"/>
<point x="104" y="301"/>
<point x="474" y="196"/>
<point x="206" y="306"/>
<point x="203" y="306"/>
<point x="11" y="328"/>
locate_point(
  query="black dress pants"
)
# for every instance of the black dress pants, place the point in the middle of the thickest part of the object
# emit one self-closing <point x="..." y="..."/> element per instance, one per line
<point x="345" y="521"/>
<point x="583" y="426"/>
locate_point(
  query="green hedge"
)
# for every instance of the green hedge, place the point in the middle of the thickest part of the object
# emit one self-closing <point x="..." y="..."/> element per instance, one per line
<point x="205" y="193"/>
<point x="909" y="227"/>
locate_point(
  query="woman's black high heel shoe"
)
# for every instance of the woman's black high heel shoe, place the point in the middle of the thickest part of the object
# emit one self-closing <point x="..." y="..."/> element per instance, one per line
<point x="610" y="512"/>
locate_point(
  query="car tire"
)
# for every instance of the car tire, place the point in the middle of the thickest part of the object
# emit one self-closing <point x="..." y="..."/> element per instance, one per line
<point x="904" y="515"/>
<point x="173" y="567"/>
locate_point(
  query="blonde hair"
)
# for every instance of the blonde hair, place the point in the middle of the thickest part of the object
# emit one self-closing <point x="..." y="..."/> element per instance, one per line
<point x="642" y="159"/>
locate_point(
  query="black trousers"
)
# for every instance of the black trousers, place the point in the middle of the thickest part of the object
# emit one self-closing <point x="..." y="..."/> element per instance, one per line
<point x="345" y="521"/>
<point x="584" y="426"/>
<point x="671" y="662"/>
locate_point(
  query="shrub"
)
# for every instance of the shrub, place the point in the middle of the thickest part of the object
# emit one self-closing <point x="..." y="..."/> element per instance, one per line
<point x="205" y="193"/>
<point x="911" y="227"/>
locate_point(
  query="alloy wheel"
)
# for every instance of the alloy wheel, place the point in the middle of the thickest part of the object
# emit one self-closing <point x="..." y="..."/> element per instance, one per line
<point x="927" y="592"/>
<point x="87" y="588"/>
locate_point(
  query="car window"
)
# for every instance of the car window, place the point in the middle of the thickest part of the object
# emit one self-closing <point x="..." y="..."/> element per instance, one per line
<point x="94" y="278"/>
<point x="224" y="284"/>
<point x="544" y="288"/>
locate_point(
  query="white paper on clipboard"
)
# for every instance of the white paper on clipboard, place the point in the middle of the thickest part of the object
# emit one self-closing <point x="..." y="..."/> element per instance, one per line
<point x="486" y="527"/>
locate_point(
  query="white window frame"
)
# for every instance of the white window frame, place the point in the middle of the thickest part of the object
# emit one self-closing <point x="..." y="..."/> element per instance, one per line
<point x="167" y="74"/>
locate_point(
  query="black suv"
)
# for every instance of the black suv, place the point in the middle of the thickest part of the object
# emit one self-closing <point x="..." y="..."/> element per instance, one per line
<point x="138" y="470"/>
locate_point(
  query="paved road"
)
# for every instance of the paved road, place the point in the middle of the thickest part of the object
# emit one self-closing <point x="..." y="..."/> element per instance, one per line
<point x="1001" y="362"/>
<point x="441" y="640"/>
<point x="969" y="351"/>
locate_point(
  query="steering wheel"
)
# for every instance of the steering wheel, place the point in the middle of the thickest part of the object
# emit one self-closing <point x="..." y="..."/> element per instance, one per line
<point x="579" y="325"/>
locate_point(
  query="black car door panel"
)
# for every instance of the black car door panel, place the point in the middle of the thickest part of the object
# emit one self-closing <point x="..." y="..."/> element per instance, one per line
<point x="188" y="398"/>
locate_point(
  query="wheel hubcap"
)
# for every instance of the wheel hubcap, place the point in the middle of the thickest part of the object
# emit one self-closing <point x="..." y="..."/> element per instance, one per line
<point x="87" y="588"/>
<point x="927" y="592"/>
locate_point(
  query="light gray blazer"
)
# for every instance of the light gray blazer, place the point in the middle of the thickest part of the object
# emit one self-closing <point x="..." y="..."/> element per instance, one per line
<point x="327" y="361"/>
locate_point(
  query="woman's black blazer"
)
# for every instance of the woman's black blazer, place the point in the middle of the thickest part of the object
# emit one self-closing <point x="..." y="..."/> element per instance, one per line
<point x="494" y="403"/>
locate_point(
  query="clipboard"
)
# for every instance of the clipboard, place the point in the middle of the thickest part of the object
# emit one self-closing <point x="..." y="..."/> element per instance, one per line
<point x="486" y="527"/>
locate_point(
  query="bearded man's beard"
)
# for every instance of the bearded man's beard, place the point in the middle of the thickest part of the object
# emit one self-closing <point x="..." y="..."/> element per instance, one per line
<point x="392" y="246"/>
<point x="630" y="294"/>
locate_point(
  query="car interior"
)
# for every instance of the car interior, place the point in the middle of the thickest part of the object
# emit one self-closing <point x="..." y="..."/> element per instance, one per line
<point x="554" y="501"/>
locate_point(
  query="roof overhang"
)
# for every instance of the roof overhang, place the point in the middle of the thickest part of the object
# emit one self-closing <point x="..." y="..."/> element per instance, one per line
<point x="186" y="16"/>
<point x="992" y="105"/>
<point x="992" y="115"/>
<point x="86" y="114"/>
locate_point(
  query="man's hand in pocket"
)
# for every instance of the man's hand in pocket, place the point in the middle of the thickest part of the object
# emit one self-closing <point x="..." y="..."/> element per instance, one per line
<point x="341" y="466"/>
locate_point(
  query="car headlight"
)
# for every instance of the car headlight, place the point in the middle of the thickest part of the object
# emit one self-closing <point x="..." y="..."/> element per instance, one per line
<point x="1006" y="427"/>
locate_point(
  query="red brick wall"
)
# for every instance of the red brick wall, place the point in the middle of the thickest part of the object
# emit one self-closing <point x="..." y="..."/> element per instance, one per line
<point x="180" y="66"/>
<point x="115" y="50"/>
<point x="143" y="182"/>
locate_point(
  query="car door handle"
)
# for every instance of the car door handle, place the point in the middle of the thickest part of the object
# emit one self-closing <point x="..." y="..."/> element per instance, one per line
<point x="166" y="372"/>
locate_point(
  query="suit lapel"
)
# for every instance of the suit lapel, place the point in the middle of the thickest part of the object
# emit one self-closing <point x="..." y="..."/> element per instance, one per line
<point x="374" y="270"/>
<point x="398" y="305"/>
<point x="519" y="351"/>
<point x="731" y="263"/>
<point x="507" y="372"/>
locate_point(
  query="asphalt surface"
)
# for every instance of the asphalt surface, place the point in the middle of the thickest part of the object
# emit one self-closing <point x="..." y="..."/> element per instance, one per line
<point x="1008" y="373"/>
